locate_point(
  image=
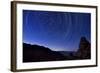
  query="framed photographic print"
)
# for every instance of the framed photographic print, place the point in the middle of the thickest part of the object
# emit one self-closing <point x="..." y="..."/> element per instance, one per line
<point x="48" y="36"/>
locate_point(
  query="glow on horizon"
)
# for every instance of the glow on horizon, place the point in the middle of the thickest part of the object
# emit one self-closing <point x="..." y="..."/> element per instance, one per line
<point x="53" y="48"/>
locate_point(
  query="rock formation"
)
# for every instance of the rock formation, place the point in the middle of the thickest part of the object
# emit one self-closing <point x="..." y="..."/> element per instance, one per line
<point x="84" y="51"/>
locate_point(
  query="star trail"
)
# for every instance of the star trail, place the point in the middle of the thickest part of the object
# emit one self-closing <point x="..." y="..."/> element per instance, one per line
<point x="60" y="31"/>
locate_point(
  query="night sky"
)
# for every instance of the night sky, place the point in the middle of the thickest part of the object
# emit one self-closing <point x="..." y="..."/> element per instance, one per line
<point x="60" y="31"/>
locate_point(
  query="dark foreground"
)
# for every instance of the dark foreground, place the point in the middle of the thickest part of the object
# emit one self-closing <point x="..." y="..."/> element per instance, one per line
<point x="36" y="53"/>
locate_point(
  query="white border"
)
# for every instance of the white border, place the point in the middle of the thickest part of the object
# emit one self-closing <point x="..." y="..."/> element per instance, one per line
<point x="21" y="65"/>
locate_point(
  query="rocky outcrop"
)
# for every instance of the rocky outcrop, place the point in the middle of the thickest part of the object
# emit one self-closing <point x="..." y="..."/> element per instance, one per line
<point x="84" y="51"/>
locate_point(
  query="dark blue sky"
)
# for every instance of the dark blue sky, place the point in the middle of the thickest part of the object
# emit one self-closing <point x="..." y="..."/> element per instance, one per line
<point x="60" y="31"/>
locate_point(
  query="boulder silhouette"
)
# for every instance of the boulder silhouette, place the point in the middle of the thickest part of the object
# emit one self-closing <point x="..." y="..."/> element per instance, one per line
<point x="84" y="51"/>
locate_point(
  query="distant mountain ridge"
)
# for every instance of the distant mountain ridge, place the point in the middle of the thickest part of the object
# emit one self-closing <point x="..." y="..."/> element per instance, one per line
<point x="67" y="53"/>
<point x="34" y="53"/>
